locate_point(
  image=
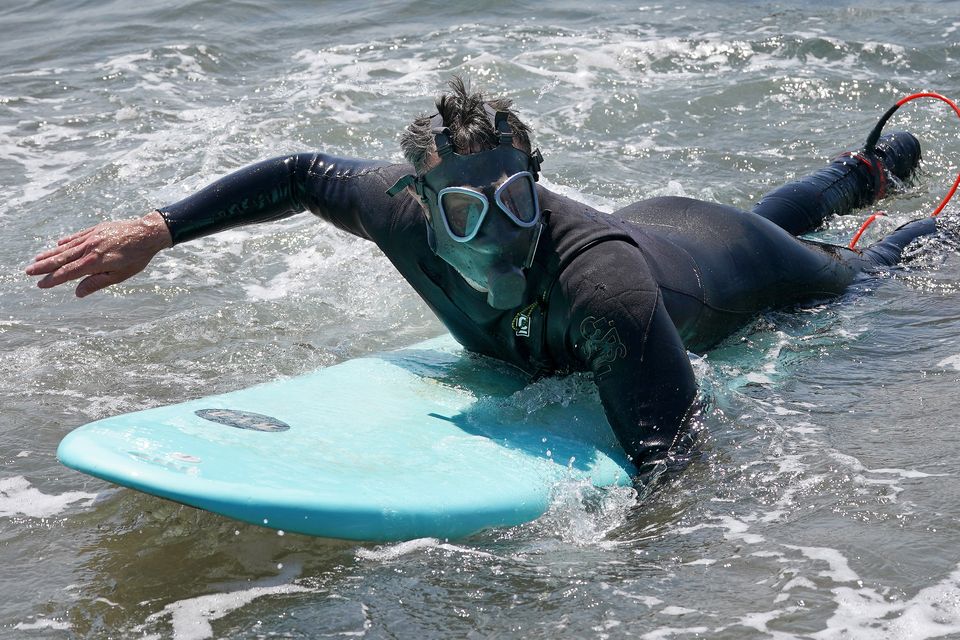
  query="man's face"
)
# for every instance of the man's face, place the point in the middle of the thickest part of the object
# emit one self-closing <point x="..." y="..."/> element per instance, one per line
<point x="484" y="218"/>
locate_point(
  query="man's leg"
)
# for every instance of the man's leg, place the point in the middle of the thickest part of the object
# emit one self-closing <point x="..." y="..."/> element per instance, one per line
<point x="887" y="251"/>
<point x="851" y="181"/>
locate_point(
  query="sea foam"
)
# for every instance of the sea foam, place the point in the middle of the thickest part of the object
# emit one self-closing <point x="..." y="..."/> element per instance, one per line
<point x="17" y="497"/>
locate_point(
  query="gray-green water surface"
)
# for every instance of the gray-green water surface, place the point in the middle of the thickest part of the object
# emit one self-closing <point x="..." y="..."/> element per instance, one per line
<point x="826" y="500"/>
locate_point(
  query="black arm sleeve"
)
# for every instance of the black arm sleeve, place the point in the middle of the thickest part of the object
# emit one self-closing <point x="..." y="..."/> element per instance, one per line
<point x="622" y="332"/>
<point x="344" y="191"/>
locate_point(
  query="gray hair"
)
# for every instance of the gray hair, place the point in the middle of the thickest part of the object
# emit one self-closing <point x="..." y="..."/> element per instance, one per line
<point x="470" y="127"/>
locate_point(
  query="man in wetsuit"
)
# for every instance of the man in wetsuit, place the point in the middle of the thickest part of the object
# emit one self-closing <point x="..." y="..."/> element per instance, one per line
<point x="520" y="273"/>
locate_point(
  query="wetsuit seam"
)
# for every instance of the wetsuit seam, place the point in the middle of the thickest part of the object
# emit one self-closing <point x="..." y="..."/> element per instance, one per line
<point x="293" y="181"/>
<point x="344" y="176"/>
<point x="649" y="327"/>
<point x="706" y="305"/>
<point x="696" y="267"/>
<point x="698" y="274"/>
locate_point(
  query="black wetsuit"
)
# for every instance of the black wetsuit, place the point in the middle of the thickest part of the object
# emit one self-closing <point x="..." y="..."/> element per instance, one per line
<point x="622" y="295"/>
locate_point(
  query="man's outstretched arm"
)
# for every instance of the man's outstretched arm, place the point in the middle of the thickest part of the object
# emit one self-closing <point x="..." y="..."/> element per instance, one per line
<point x="344" y="191"/>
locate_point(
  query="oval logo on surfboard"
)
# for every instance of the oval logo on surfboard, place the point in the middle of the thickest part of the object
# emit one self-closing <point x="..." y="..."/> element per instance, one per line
<point x="243" y="420"/>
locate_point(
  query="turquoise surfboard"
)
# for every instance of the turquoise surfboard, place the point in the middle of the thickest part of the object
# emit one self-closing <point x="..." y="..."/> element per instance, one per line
<point x="426" y="441"/>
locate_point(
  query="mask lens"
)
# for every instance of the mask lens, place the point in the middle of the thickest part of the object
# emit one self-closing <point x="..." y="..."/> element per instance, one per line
<point x="463" y="211"/>
<point x="518" y="197"/>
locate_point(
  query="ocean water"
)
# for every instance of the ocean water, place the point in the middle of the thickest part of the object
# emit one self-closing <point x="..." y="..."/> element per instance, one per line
<point x="825" y="500"/>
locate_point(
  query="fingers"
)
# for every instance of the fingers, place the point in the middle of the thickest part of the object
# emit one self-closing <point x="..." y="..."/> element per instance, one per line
<point x="62" y="245"/>
<point x="96" y="282"/>
<point x="83" y="266"/>
<point x="75" y="236"/>
<point x="57" y="261"/>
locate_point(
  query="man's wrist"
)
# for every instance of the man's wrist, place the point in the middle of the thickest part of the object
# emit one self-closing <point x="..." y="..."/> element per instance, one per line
<point x="156" y="226"/>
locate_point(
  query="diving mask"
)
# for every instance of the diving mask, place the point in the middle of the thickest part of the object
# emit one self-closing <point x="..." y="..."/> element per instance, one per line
<point x="487" y="231"/>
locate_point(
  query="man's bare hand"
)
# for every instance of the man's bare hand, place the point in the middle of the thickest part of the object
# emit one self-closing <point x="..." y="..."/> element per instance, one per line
<point x="102" y="255"/>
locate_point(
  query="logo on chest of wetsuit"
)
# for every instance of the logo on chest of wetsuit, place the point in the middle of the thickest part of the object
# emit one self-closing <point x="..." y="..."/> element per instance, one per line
<point x="521" y="325"/>
<point x="521" y="321"/>
<point x="602" y="344"/>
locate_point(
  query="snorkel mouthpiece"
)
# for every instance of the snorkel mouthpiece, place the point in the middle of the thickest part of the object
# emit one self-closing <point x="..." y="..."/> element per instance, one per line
<point x="506" y="288"/>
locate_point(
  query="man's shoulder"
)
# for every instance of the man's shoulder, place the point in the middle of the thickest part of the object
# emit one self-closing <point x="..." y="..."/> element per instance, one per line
<point x="610" y="296"/>
<point x="607" y="270"/>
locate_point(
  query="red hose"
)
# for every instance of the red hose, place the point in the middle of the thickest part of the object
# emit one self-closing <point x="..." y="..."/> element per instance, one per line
<point x="863" y="227"/>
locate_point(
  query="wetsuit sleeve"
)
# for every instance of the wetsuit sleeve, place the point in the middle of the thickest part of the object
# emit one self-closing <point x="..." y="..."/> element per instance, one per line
<point x="346" y="192"/>
<point x="621" y="331"/>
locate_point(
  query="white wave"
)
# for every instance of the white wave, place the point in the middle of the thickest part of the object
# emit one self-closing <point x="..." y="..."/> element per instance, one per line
<point x="861" y="613"/>
<point x="951" y="362"/>
<point x="865" y="613"/>
<point x="191" y="618"/>
<point x="446" y="546"/>
<point x="673" y="610"/>
<point x="646" y="600"/>
<point x="389" y="552"/>
<point x="43" y="623"/>
<point x="908" y="473"/>
<point x="861" y="475"/>
<point x="839" y="569"/>
<point x="45" y="172"/>
<point x="659" y="634"/>
<point x="154" y="68"/>
<point x="760" y="620"/>
<point x="596" y="201"/>
<point x="794" y="583"/>
<point x="301" y="271"/>
<point x="17" y="497"/>
<point x="584" y="515"/>
<point x="804" y="428"/>
<point x="733" y="529"/>
<point x="701" y="562"/>
<point x="672" y="188"/>
<point x="125" y="63"/>
<point x="786" y="465"/>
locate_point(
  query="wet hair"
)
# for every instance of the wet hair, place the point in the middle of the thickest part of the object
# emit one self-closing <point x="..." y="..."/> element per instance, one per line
<point x="470" y="128"/>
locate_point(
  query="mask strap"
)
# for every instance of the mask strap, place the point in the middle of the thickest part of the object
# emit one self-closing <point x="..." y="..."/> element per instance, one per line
<point x="402" y="184"/>
<point x="499" y="121"/>
<point x="536" y="158"/>
<point x="441" y="136"/>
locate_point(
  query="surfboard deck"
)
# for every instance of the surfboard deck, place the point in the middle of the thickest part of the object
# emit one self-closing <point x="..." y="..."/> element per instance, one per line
<point x="426" y="441"/>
